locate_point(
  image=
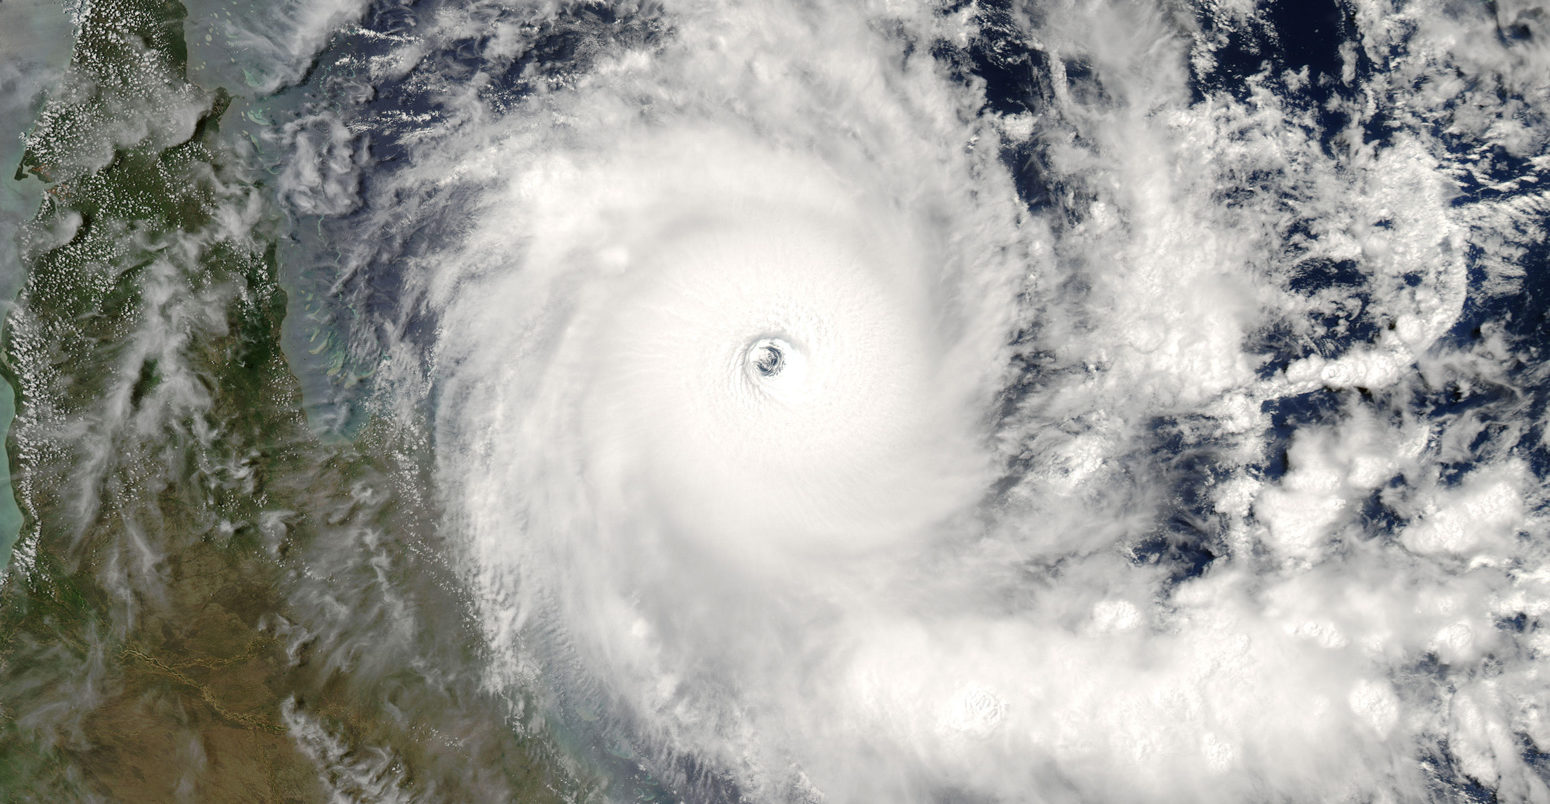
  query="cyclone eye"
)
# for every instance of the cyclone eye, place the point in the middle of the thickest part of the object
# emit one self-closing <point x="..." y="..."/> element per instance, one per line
<point x="768" y="360"/>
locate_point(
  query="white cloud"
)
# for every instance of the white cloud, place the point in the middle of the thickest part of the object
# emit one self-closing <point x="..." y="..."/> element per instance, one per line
<point x="899" y="568"/>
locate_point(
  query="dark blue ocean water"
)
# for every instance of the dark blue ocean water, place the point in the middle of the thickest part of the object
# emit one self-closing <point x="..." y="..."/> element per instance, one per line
<point x="352" y="264"/>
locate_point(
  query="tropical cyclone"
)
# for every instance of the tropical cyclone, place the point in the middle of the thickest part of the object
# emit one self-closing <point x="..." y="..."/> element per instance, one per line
<point x="789" y="448"/>
<point x="723" y="376"/>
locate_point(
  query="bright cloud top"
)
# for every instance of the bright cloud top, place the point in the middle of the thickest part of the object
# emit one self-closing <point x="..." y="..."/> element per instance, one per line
<point x="818" y="421"/>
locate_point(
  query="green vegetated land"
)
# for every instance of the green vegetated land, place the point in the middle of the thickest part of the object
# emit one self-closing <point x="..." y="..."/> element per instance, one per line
<point x="206" y="603"/>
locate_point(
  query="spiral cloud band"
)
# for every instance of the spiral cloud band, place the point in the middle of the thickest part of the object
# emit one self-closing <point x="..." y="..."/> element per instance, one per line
<point x="726" y="366"/>
<point x="818" y="419"/>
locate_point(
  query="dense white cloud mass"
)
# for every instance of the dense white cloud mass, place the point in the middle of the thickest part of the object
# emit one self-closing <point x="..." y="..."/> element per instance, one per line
<point x="1062" y="402"/>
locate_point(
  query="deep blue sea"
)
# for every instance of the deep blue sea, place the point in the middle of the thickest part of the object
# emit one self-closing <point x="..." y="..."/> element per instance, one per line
<point x="801" y="401"/>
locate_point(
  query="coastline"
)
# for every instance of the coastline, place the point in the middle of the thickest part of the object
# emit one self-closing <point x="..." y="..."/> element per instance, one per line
<point x="38" y="35"/>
